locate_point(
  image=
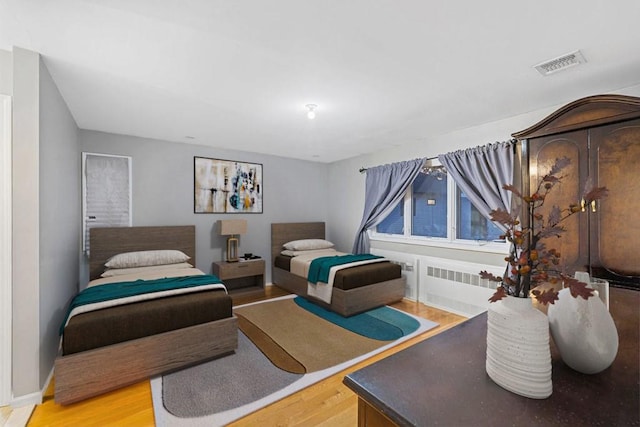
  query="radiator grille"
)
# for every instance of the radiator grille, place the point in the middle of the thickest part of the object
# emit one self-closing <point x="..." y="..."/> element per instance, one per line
<point x="456" y="285"/>
<point x="459" y="276"/>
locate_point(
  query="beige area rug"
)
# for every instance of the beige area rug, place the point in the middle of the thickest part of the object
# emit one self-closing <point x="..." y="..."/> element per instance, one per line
<point x="255" y="380"/>
<point x="313" y="342"/>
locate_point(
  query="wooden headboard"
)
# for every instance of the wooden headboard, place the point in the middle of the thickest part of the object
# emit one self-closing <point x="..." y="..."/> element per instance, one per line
<point x="106" y="242"/>
<point x="284" y="232"/>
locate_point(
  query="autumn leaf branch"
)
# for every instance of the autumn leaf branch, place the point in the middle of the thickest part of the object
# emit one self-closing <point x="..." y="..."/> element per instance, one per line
<point x="529" y="263"/>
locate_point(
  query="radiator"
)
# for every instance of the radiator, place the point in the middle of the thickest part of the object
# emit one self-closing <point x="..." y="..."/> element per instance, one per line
<point x="447" y="284"/>
<point x="409" y="264"/>
<point x="456" y="286"/>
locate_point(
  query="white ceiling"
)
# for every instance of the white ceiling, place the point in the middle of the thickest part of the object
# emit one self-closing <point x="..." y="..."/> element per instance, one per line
<point x="384" y="73"/>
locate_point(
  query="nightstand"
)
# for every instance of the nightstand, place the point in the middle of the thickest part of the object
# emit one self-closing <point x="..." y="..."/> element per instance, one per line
<point x="242" y="276"/>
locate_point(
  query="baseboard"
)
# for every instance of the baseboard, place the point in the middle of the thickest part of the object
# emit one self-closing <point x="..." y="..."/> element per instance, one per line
<point x="32" y="398"/>
<point x="47" y="382"/>
<point x="27" y="399"/>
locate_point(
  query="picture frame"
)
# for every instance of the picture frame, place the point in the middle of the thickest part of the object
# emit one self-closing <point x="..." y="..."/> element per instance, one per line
<point x="226" y="186"/>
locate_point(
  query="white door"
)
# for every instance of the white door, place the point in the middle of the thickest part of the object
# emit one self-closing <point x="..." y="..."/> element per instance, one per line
<point x="106" y="192"/>
<point x="5" y="250"/>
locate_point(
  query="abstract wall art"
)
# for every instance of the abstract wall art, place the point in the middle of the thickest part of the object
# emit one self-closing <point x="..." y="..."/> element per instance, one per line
<point x="226" y="186"/>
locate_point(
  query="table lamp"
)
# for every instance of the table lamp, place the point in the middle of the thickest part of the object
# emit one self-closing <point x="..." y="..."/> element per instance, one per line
<point x="232" y="228"/>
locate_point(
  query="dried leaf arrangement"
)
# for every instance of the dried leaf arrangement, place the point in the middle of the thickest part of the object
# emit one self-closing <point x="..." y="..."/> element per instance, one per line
<point x="530" y="263"/>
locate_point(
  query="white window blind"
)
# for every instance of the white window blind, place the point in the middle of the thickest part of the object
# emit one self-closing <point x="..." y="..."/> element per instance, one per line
<point x="106" y="198"/>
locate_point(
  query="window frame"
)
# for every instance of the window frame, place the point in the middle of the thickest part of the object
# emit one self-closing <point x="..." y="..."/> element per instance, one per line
<point x="451" y="241"/>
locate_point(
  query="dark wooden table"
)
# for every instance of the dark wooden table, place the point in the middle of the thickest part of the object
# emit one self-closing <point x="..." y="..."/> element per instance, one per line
<point x="442" y="381"/>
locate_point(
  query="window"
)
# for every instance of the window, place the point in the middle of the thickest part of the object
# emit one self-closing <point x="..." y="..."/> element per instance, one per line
<point x="471" y="224"/>
<point x="429" y="213"/>
<point x="430" y="199"/>
<point x="394" y="222"/>
<point x="106" y="192"/>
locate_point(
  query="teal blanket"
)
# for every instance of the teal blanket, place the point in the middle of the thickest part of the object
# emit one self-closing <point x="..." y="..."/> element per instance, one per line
<point x="118" y="290"/>
<point x="320" y="267"/>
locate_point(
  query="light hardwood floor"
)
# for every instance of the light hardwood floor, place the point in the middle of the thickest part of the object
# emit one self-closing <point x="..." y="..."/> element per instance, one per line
<point x="5" y="412"/>
<point x="327" y="403"/>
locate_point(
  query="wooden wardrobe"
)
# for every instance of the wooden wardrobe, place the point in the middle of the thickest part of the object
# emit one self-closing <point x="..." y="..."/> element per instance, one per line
<point x="601" y="136"/>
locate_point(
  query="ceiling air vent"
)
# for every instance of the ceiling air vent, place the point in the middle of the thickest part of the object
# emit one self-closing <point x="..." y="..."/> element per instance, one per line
<point x="560" y="63"/>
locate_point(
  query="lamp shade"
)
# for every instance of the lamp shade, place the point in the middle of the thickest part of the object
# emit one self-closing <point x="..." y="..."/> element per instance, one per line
<point x="230" y="227"/>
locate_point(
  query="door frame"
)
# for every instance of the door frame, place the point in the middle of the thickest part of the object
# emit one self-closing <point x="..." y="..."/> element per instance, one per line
<point x="6" y="315"/>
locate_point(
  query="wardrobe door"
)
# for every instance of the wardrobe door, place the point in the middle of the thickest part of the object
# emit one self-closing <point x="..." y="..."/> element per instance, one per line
<point x="615" y="224"/>
<point x="543" y="152"/>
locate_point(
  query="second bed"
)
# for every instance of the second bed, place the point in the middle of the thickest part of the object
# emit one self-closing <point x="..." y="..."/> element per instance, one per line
<point x="355" y="289"/>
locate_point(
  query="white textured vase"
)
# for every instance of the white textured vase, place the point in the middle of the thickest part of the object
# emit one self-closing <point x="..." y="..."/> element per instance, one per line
<point x="518" y="354"/>
<point x="584" y="332"/>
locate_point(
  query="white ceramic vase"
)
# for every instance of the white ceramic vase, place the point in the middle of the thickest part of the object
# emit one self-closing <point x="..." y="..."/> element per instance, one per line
<point x="584" y="332"/>
<point x="518" y="353"/>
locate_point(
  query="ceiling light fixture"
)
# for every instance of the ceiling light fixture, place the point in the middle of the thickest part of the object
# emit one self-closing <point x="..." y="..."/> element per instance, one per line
<point x="438" y="172"/>
<point x="311" y="113"/>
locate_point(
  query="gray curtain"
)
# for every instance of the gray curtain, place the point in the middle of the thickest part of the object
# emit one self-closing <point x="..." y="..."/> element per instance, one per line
<point x="481" y="172"/>
<point x="385" y="187"/>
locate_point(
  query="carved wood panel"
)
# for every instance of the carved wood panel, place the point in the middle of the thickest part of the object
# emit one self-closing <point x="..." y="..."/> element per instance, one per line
<point x="544" y="152"/>
<point x="614" y="226"/>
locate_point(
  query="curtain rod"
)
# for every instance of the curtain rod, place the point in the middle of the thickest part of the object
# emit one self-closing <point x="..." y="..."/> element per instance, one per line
<point x="512" y="140"/>
<point x="363" y="169"/>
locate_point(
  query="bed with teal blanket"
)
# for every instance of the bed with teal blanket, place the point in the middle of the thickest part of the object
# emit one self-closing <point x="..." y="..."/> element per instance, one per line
<point x="120" y="293"/>
<point x="122" y="331"/>
<point x="354" y="290"/>
<point x="320" y="269"/>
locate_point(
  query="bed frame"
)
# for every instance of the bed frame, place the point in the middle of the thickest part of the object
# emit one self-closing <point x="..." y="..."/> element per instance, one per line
<point x="89" y="373"/>
<point x="343" y="302"/>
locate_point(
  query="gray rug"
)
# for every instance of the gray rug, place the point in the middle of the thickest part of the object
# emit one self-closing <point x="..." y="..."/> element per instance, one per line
<point x="204" y="389"/>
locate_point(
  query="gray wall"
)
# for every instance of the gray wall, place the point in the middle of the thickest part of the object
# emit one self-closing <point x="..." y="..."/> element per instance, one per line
<point x="294" y="190"/>
<point x="46" y="214"/>
<point x="59" y="216"/>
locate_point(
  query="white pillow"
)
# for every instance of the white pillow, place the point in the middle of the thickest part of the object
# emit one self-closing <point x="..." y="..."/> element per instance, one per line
<point x="146" y="258"/>
<point x="325" y="252"/>
<point x="307" y="244"/>
<point x="135" y="270"/>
